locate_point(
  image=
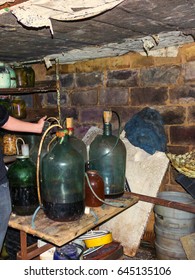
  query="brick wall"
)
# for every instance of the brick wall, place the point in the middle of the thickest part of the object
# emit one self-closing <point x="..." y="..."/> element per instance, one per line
<point x="127" y="84"/>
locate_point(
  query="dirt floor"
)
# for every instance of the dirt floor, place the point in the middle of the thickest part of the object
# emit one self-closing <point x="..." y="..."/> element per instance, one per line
<point x="146" y="251"/>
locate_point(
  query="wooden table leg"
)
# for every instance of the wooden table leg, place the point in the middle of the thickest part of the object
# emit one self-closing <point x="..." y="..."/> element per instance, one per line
<point x="23" y="245"/>
<point x="31" y="252"/>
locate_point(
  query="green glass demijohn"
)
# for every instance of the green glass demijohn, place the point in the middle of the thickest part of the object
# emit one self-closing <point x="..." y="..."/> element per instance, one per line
<point x="35" y="143"/>
<point x="107" y="155"/>
<point x="63" y="181"/>
<point x="22" y="181"/>
<point x="77" y="143"/>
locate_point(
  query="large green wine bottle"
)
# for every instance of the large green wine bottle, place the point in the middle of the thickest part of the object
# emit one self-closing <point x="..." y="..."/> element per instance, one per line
<point x="23" y="189"/>
<point x="107" y="155"/>
<point x="63" y="181"/>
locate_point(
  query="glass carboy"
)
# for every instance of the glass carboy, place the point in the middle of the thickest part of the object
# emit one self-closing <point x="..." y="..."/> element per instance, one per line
<point x="107" y="155"/>
<point x="23" y="189"/>
<point x="63" y="181"/>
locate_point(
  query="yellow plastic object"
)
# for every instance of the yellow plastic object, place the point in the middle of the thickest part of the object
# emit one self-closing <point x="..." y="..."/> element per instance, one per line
<point x="98" y="241"/>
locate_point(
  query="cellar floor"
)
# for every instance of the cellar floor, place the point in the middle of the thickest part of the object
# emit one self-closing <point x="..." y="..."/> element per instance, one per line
<point x="146" y="251"/>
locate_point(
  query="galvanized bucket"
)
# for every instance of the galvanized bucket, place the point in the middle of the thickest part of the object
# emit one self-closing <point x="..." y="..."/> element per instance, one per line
<point x="171" y="224"/>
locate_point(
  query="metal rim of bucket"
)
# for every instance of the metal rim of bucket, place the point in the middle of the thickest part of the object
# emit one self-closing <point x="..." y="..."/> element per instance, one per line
<point x="176" y="197"/>
<point x="171" y="224"/>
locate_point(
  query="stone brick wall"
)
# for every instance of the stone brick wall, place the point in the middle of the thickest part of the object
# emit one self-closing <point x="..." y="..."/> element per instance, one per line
<point x="127" y="84"/>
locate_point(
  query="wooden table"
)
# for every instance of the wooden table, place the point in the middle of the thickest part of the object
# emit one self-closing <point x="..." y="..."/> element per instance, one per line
<point x="60" y="233"/>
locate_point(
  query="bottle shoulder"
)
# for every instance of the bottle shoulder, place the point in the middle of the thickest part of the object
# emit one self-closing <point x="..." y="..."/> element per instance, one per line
<point x="64" y="151"/>
<point x="107" y="139"/>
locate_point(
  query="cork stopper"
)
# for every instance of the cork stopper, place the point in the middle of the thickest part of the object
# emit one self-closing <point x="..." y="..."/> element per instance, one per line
<point x="69" y="122"/>
<point x="107" y="116"/>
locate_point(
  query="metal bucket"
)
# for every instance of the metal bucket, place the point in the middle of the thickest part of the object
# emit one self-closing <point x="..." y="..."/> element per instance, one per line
<point x="170" y="225"/>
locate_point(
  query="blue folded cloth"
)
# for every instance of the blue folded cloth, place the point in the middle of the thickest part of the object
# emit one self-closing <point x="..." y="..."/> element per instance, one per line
<point x="146" y="131"/>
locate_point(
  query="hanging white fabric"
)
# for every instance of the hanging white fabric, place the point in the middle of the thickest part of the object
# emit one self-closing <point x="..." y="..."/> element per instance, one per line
<point x="38" y="13"/>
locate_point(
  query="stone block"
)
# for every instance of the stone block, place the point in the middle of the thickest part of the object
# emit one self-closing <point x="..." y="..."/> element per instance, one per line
<point x="114" y="96"/>
<point x="122" y="78"/>
<point x="146" y="96"/>
<point x="164" y="75"/>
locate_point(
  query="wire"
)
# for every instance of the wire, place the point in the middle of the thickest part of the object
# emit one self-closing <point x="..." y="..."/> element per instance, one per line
<point x="34" y="216"/>
<point x="38" y="160"/>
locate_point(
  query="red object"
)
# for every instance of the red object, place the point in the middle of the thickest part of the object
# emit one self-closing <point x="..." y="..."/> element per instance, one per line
<point x="97" y="185"/>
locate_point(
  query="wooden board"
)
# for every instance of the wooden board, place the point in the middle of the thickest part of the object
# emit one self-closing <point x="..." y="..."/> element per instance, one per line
<point x="131" y="21"/>
<point x="59" y="233"/>
<point x="188" y="243"/>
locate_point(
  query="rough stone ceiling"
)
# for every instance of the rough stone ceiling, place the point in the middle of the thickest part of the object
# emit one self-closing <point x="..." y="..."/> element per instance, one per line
<point x="133" y="25"/>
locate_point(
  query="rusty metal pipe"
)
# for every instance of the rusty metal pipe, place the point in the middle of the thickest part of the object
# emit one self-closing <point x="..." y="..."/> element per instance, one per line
<point x="163" y="202"/>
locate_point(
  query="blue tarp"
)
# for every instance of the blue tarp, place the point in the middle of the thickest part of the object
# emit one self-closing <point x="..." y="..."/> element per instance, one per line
<point x="146" y="131"/>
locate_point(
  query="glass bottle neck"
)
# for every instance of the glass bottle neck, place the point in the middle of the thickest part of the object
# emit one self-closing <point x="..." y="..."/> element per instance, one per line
<point x="22" y="158"/>
<point x="64" y="139"/>
<point x="107" y="129"/>
<point x="71" y="131"/>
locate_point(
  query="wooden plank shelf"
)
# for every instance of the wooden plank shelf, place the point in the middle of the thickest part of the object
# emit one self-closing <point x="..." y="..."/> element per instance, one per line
<point x="27" y="90"/>
<point x="59" y="233"/>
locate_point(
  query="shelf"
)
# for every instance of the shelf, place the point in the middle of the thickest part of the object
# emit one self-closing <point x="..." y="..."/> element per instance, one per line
<point x="40" y="87"/>
<point x="9" y="159"/>
<point x="60" y="233"/>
